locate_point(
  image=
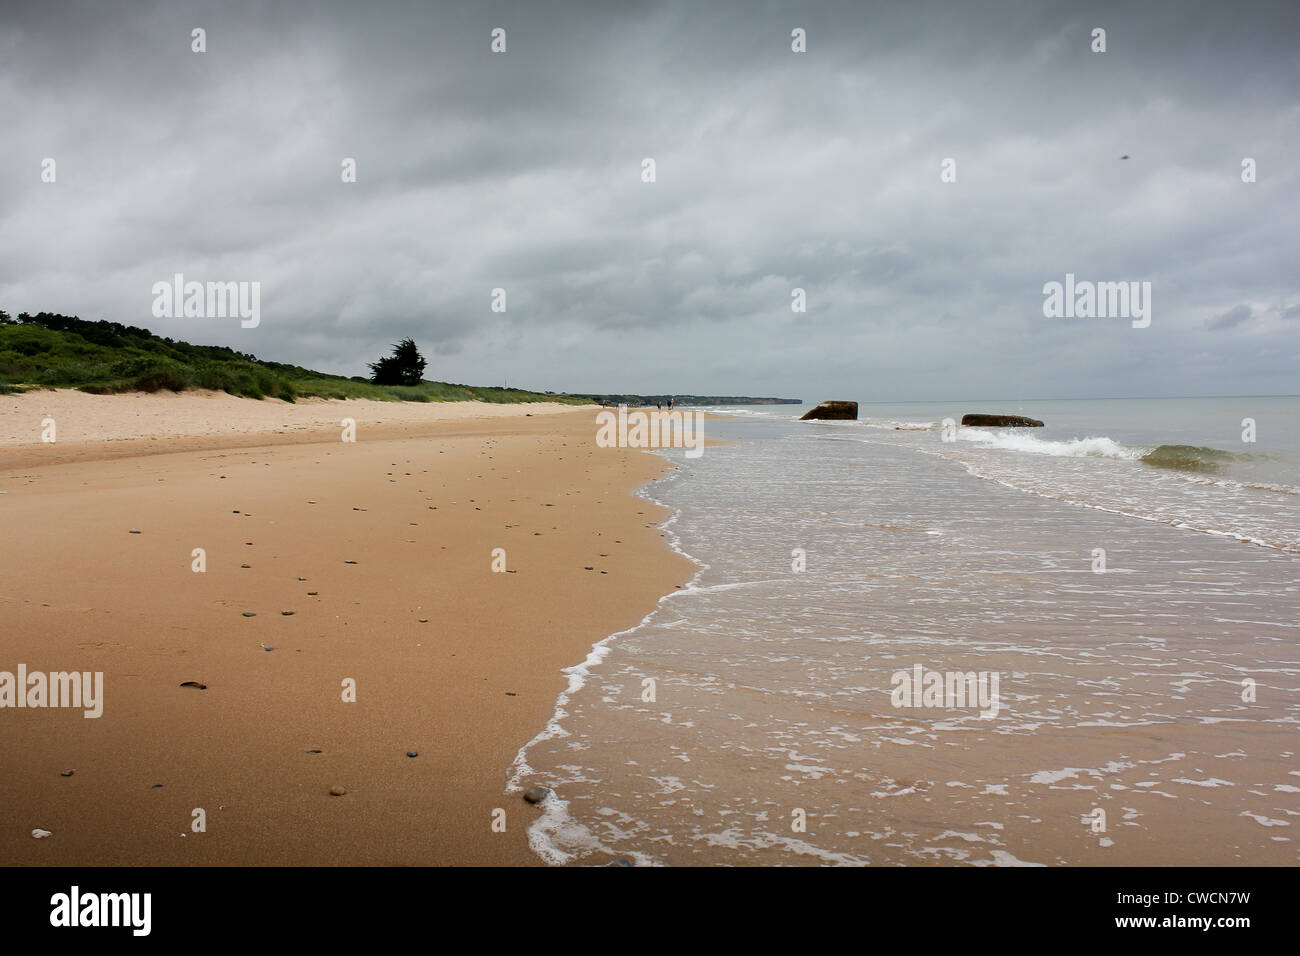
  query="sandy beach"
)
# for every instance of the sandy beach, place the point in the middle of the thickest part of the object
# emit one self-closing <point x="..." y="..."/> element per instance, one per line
<point x="327" y="565"/>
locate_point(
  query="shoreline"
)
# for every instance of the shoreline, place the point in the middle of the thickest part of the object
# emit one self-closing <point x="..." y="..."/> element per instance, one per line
<point x="451" y="660"/>
<point x="554" y="812"/>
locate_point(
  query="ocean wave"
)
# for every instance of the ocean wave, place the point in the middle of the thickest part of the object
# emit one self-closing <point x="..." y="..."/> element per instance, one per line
<point x="1092" y="447"/>
<point x="1235" y="485"/>
<point x="1190" y="458"/>
<point x="899" y="426"/>
<point x="1279" y="542"/>
<point x="1187" y="458"/>
<point x="1189" y="466"/>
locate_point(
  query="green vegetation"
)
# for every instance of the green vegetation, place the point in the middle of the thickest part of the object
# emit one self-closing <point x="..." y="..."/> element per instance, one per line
<point x="404" y="367"/>
<point x="62" y="351"/>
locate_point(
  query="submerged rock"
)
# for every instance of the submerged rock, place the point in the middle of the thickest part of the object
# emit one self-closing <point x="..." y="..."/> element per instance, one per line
<point x="536" y="794"/>
<point x="1000" y="421"/>
<point x="832" y="411"/>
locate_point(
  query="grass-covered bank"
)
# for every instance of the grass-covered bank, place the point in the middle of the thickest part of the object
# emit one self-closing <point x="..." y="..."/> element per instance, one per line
<point x="59" y="351"/>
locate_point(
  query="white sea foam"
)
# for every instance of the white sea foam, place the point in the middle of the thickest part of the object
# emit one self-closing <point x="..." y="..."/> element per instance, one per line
<point x="1091" y="447"/>
<point x="1003" y="858"/>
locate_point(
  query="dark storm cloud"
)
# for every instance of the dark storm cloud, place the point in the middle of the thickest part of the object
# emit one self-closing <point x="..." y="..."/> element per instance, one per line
<point x="775" y="171"/>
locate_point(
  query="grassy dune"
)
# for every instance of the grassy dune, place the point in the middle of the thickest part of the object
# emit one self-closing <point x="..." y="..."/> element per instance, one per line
<point x="57" y="351"/>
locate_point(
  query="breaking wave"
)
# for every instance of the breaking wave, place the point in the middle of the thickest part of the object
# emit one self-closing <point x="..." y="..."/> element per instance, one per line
<point x="1093" y="447"/>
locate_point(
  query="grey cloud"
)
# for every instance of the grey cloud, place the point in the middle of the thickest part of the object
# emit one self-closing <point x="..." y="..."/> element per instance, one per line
<point x="1234" y="316"/>
<point x="775" y="170"/>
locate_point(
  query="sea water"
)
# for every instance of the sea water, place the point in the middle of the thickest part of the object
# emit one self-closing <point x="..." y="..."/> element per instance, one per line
<point x="1129" y="573"/>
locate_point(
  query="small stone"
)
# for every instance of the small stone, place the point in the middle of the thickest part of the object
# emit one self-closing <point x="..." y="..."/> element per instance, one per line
<point x="133" y="531"/>
<point x="337" y="791"/>
<point x="312" y="593"/>
<point x="536" y="794"/>
<point x="267" y="647"/>
<point x="287" y="613"/>
<point x="313" y="751"/>
<point x="302" y="579"/>
<point x="245" y="565"/>
<point x="195" y="684"/>
<point x="39" y="834"/>
<point x="66" y="773"/>
<point x="250" y="614"/>
<point x="622" y="861"/>
<point x="412" y="753"/>
<point x="349" y="562"/>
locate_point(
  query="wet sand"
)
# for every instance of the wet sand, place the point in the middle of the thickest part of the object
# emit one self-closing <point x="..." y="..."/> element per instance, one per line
<point x="382" y="550"/>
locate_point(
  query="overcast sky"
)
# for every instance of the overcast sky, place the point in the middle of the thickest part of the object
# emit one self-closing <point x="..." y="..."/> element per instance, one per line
<point x="775" y="170"/>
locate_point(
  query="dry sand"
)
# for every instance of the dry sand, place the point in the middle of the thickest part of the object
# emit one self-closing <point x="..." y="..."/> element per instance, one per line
<point x="160" y="418"/>
<point x="450" y="659"/>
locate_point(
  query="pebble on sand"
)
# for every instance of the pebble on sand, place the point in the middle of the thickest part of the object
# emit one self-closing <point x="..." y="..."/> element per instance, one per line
<point x="412" y="753"/>
<point x="287" y="613"/>
<point x="195" y="684"/>
<point x="250" y="614"/>
<point x="134" y="531"/>
<point x="66" y="773"/>
<point x="337" y="791"/>
<point x="40" y="834"/>
<point x="535" y="794"/>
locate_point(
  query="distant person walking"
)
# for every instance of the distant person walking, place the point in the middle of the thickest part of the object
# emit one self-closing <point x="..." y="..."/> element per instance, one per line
<point x="670" y="403"/>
